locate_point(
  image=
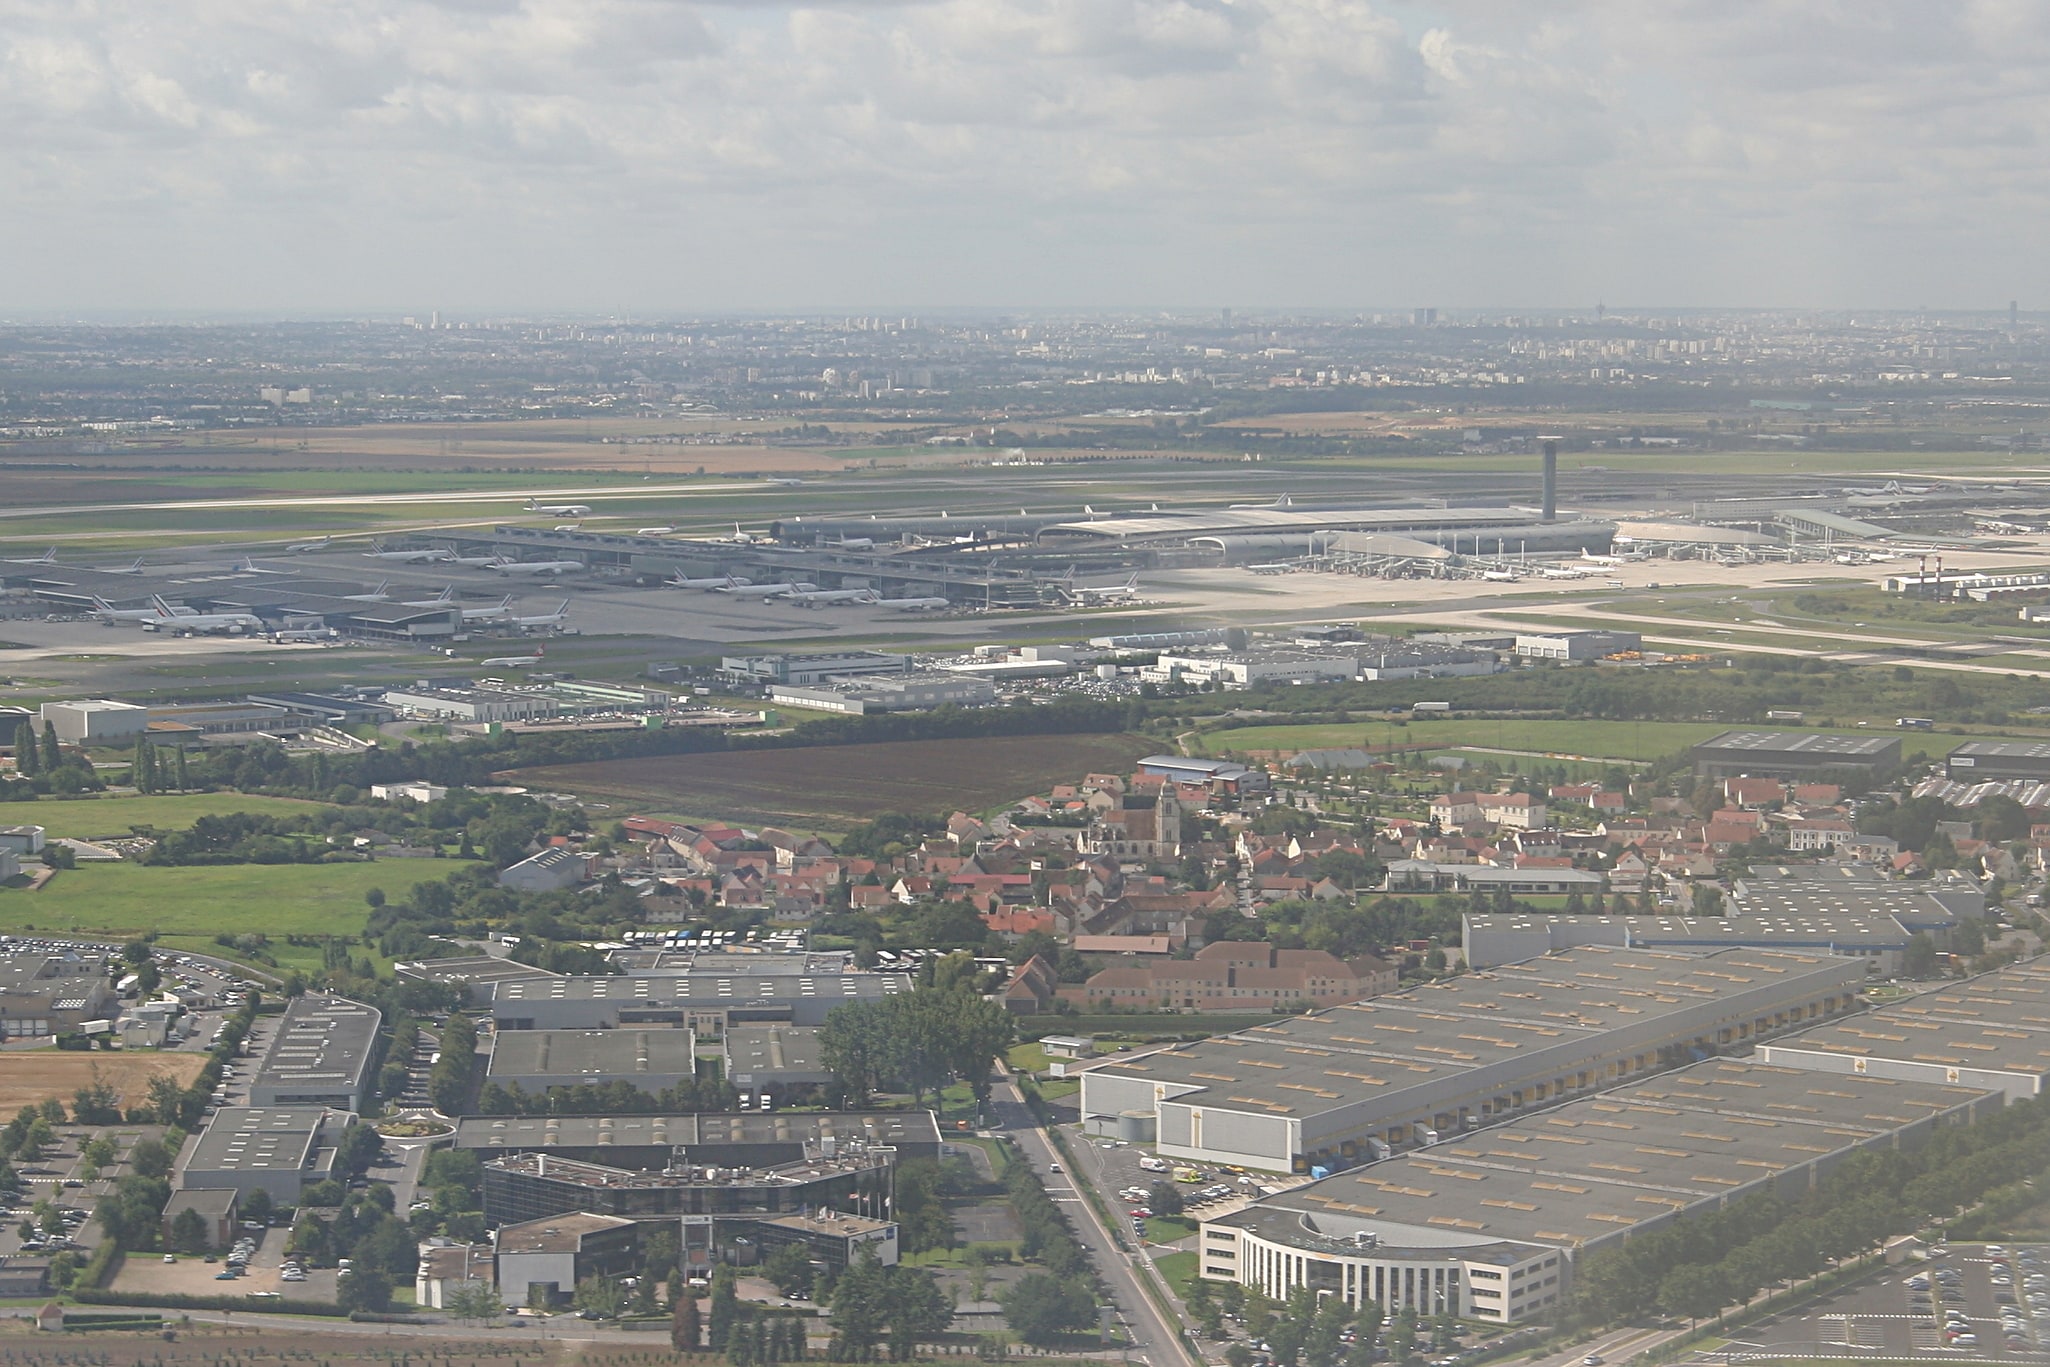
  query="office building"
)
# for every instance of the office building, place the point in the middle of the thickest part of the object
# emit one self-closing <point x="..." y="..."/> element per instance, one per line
<point x="279" y="1150"/>
<point x="324" y="1054"/>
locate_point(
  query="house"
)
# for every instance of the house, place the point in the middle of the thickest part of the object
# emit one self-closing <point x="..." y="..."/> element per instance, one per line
<point x="24" y="1277"/>
<point x="1517" y="811"/>
<point x="1456" y="809"/>
<point x="1822" y="833"/>
<point x="1031" y="989"/>
<point x="51" y="1318"/>
<point x="552" y="870"/>
<point x="216" y="1206"/>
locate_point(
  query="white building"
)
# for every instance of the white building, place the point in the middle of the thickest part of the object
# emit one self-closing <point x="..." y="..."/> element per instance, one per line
<point x="1518" y="811"/>
<point x="417" y="791"/>
<point x="95" y="721"/>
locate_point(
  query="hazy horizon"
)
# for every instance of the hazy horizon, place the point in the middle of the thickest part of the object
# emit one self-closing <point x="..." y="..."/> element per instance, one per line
<point x="638" y="158"/>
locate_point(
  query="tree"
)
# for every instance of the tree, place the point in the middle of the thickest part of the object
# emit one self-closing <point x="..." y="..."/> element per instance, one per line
<point x="1919" y="960"/>
<point x="789" y="1267"/>
<point x="1165" y="1198"/>
<point x="1040" y="1307"/>
<point x="189" y="1232"/>
<point x="686" y="1329"/>
<point x="1697" y="1291"/>
<point x="52" y="756"/>
<point x="473" y="1301"/>
<point x="257" y="1206"/>
<point x="725" y="1309"/>
<point x="365" y="1288"/>
<point x="601" y="1296"/>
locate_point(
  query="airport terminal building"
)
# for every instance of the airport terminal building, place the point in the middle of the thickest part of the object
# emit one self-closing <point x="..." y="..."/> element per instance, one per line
<point x="1357" y="1082"/>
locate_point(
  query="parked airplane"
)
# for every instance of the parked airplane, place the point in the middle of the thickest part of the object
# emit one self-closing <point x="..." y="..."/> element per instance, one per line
<point x="853" y="543"/>
<point x="376" y="595"/>
<point x="433" y="555"/>
<point x="516" y="661"/>
<point x="546" y="619"/>
<point x="909" y="604"/>
<point x="559" y="509"/>
<point x="823" y="598"/>
<point x="447" y="599"/>
<point x="765" y="590"/>
<point x="722" y="581"/>
<point x="569" y="526"/>
<point x="653" y="531"/>
<point x="107" y="612"/>
<point x="48" y="557"/>
<point x="741" y="538"/>
<point x="474" y="562"/>
<point x="785" y="480"/>
<point x="504" y="565"/>
<point x="1591" y="558"/>
<point x="190" y="623"/>
<point x="1101" y="593"/>
<point x="302" y="547"/>
<point x="249" y="566"/>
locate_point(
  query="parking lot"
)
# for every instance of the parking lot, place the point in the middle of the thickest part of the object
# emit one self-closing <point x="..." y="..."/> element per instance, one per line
<point x="1114" y="1169"/>
<point x="1969" y="1302"/>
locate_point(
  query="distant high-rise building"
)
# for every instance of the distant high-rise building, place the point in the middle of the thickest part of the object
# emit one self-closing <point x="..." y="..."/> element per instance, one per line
<point x="2014" y="313"/>
<point x="1424" y="318"/>
<point x="1226" y="315"/>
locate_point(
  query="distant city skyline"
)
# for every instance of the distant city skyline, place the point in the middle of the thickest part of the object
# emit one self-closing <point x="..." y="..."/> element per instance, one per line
<point x="641" y="158"/>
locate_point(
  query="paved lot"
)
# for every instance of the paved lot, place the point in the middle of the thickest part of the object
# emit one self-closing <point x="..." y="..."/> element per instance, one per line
<point x="1920" y="1311"/>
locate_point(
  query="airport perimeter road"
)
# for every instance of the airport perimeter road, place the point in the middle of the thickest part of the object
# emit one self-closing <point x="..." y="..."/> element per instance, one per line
<point x="1153" y="1339"/>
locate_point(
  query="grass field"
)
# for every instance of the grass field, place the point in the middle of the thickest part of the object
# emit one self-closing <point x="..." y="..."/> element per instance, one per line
<point x="85" y="818"/>
<point x="831" y="788"/>
<point x="29" y="1077"/>
<point x="123" y="900"/>
<point x="1602" y="739"/>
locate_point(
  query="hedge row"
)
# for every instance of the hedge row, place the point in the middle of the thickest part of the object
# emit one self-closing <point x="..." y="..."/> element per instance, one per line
<point x="173" y="1301"/>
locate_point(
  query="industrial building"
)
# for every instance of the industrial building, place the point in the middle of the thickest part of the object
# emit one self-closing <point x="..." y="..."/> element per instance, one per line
<point x="1990" y="1032"/>
<point x="1355" y="1082"/>
<point x="96" y="721"/>
<point x="1489" y="1226"/>
<point x="44" y="994"/>
<point x="886" y="693"/>
<point x="540" y="1262"/>
<point x="471" y="704"/>
<point x="1246" y="669"/>
<point x="778" y="1061"/>
<point x="652" y="1143"/>
<point x="324" y="1054"/>
<point x="1792" y="754"/>
<point x="705" y="1002"/>
<point x="1423" y="875"/>
<point x="766" y="670"/>
<point x="1990" y="761"/>
<point x="1575" y="645"/>
<point x="535" y="1060"/>
<point x="1878" y="939"/>
<point x="280" y="1150"/>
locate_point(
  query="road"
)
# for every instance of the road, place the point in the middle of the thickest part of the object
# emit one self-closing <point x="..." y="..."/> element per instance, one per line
<point x="1154" y="1340"/>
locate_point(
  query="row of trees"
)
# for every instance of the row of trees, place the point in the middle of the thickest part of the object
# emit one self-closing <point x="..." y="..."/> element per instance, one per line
<point x="923" y="1039"/>
<point x="453" y="1075"/>
<point x="707" y="1092"/>
<point x="1698" y="1266"/>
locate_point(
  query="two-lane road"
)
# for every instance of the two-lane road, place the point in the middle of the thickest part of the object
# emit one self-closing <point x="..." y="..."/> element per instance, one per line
<point x="1154" y="1340"/>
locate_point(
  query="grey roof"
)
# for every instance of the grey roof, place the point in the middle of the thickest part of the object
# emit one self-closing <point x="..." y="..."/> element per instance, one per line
<point x="1997" y="1022"/>
<point x="470" y="968"/>
<point x="1874" y="931"/>
<point x="2004" y="749"/>
<point x="709" y="988"/>
<point x="563" y="1233"/>
<point x="598" y="1054"/>
<point x="763" y="1051"/>
<point x="324" y="1044"/>
<point x="214" y="1201"/>
<point x="1596" y="1167"/>
<point x="514" y="1133"/>
<point x="1811" y="743"/>
<point x="1381" y="1047"/>
<point x="259" y="1139"/>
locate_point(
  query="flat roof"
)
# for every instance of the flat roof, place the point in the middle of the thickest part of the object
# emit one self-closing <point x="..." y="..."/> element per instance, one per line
<point x="323" y="1043"/>
<point x="2004" y="749"/>
<point x="596" y="1053"/>
<point x="1818" y="900"/>
<point x="563" y="1233"/>
<point x="711" y="1128"/>
<point x="258" y="1139"/>
<point x="721" y="989"/>
<point x="1654" y="931"/>
<point x="471" y="968"/>
<point x="759" y="1049"/>
<point x="1379" y="1047"/>
<point x="1799" y="742"/>
<point x="1997" y="1022"/>
<point x="1600" y="1165"/>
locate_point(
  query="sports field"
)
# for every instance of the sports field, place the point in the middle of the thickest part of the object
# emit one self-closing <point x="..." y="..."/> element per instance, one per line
<point x="830" y="788"/>
<point x="33" y="1076"/>
<point x="123" y="900"/>
<point x="87" y="818"/>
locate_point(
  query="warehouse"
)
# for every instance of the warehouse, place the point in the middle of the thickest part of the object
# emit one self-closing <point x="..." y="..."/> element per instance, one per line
<point x="886" y="693"/>
<point x="280" y="1150"/>
<point x="1792" y="754"/>
<point x="703" y="1001"/>
<point x="1575" y="645"/>
<point x="324" y="1054"/>
<point x="1989" y="761"/>
<point x="95" y="721"/>
<point x="1489" y="1226"/>
<point x="764" y="670"/>
<point x="535" y="1060"/>
<point x="1991" y="1031"/>
<point x="1878" y="939"/>
<point x="777" y="1061"/>
<point x="1354" y="1082"/>
<point x="481" y="705"/>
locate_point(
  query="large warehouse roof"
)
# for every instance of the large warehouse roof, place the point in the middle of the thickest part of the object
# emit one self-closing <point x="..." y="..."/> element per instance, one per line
<point x="519" y="1133"/>
<point x="1996" y="1023"/>
<point x="1216" y="521"/>
<point x="1597" y="1167"/>
<point x="597" y="1054"/>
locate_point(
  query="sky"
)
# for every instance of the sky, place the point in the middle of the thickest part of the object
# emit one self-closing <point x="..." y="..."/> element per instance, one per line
<point x="644" y="156"/>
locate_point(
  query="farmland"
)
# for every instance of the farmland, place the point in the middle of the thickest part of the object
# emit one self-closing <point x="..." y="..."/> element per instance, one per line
<point x="31" y="1076"/>
<point x="122" y="900"/>
<point x="1628" y="740"/>
<point x="87" y="818"/>
<point x="831" y="788"/>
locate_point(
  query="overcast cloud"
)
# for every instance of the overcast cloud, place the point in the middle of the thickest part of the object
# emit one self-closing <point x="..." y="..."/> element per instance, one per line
<point x="643" y="155"/>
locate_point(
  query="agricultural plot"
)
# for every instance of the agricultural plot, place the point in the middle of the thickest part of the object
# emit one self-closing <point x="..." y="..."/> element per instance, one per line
<point x="119" y="901"/>
<point x="33" y="1076"/>
<point x="1628" y="740"/>
<point x="90" y="818"/>
<point x="831" y="788"/>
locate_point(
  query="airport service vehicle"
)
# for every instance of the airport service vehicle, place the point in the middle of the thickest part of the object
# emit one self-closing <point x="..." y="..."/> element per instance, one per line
<point x="503" y="565"/>
<point x="560" y="509"/>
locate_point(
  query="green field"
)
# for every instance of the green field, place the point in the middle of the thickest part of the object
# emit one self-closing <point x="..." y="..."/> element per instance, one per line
<point x="1632" y="740"/>
<point x="122" y="900"/>
<point x="85" y="818"/>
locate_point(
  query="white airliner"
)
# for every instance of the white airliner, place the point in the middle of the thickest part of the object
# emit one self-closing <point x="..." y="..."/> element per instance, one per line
<point x="909" y="604"/>
<point x="107" y="612"/>
<point x="433" y="555"/>
<point x="447" y="599"/>
<point x="249" y="566"/>
<point x="536" y="567"/>
<point x="302" y="547"/>
<point x="516" y="661"/>
<point x="546" y="619"/>
<point x="720" y="581"/>
<point x="560" y="509"/>
<point x="765" y="590"/>
<point x="48" y="557"/>
<point x="376" y="595"/>
<point x="188" y="623"/>
<point x="473" y="562"/>
<point x="785" y="480"/>
<point x="1106" y="592"/>
<point x="825" y="598"/>
<point x="653" y="531"/>
<point x="1591" y="558"/>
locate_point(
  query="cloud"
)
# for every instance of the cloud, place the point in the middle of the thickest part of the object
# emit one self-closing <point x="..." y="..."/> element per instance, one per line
<point x="663" y="153"/>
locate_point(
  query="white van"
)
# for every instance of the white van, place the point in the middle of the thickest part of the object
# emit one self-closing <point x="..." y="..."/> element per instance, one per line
<point x="1152" y="1164"/>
